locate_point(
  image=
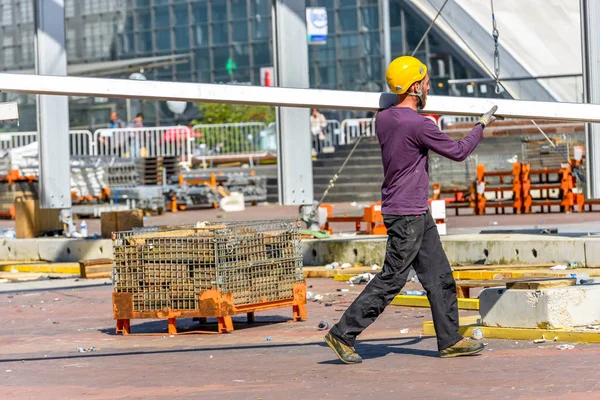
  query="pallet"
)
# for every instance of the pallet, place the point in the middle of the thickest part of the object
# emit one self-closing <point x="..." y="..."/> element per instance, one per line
<point x="212" y="304"/>
<point x="96" y="269"/>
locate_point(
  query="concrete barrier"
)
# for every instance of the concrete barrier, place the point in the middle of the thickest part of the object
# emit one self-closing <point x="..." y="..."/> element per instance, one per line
<point x="496" y="249"/>
<point x="54" y="249"/>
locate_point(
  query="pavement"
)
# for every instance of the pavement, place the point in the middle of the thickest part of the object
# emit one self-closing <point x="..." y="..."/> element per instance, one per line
<point x="43" y="325"/>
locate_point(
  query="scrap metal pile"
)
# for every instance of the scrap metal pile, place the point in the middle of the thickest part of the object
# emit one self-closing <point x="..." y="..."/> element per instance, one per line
<point x="162" y="272"/>
<point x="101" y="183"/>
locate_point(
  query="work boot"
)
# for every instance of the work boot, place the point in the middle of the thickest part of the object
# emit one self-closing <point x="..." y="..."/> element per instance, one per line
<point x="344" y="352"/>
<point x="465" y="347"/>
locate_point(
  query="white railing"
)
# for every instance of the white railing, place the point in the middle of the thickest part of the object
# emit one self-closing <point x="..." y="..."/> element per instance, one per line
<point x="331" y="137"/>
<point x="80" y="141"/>
<point x="353" y="128"/>
<point x="144" y="142"/>
<point x="11" y="140"/>
<point x="243" y="140"/>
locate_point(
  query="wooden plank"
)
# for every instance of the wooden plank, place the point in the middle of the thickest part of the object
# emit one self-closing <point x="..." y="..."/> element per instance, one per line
<point x="541" y="283"/>
<point x="505" y="266"/>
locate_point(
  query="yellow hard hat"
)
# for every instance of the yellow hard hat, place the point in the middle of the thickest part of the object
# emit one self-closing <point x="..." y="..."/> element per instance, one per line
<point x="403" y="72"/>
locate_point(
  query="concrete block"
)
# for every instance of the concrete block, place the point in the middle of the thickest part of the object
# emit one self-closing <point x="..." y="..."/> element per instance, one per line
<point x="55" y="249"/>
<point x="592" y="253"/>
<point x="498" y="249"/>
<point x="555" y="308"/>
<point x="354" y="250"/>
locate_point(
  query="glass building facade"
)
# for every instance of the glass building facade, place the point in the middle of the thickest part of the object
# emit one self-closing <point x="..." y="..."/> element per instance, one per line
<point x="224" y="41"/>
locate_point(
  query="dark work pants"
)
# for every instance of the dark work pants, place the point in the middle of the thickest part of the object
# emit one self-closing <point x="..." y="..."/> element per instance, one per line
<point x="413" y="240"/>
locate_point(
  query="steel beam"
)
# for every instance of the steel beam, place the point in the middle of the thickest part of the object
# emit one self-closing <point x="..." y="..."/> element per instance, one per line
<point x="52" y="109"/>
<point x="9" y="112"/>
<point x="293" y="129"/>
<point x="590" y="29"/>
<point x="289" y="97"/>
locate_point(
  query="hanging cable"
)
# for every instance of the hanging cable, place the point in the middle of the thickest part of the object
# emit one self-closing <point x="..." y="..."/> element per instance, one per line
<point x="576" y="170"/>
<point x="471" y="50"/>
<point x="429" y="28"/>
<point x="496" y="35"/>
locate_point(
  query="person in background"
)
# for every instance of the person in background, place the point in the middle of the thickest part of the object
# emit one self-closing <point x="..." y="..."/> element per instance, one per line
<point x="138" y="122"/>
<point x="112" y="139"/>
<point x="318" y="123"/>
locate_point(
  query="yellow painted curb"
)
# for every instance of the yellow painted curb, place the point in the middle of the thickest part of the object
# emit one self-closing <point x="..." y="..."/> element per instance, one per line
<point x="467" y="325"/>
<point x="70" y="268"/>
<point x="422" y="301"/>
<point x="506" y="273"/>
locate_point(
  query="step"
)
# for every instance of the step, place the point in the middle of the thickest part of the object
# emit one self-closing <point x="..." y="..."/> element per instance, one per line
<point x="344" y="153"/>
<point x="349" y="170"/>
<point x="350" y="188"/>
<point x="347" y="178"/>
<point x="336" y="162"/>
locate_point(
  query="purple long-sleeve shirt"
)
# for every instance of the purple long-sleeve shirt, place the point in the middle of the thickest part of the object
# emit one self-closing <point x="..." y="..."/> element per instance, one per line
<point x="405" y="138"/>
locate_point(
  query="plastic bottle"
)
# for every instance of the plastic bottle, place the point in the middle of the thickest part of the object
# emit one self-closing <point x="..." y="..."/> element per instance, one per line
<point x="414" y="292"/>
<point x="83" y="229"/>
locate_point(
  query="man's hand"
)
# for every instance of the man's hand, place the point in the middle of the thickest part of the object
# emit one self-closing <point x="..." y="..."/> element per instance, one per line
<point x="489" y="118"/>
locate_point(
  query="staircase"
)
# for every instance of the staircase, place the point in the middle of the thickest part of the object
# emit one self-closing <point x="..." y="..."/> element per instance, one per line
<point x="359" y="181"/>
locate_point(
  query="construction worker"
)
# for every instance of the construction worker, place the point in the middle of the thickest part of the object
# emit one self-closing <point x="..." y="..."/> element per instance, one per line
<point x="405" y="137"/>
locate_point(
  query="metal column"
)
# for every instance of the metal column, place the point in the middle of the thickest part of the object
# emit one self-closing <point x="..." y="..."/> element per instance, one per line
<point x="290" y="53"/>
<point x="52" y="111"/>
<point x="590" y="31"/>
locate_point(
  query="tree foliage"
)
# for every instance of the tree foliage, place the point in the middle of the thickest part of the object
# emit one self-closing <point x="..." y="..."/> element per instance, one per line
<point x="213" y="113"/>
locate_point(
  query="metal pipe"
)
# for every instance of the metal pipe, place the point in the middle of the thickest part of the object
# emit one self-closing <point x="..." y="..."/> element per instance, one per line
<point x="512" y="78"/>
<point x="289" y="97"/>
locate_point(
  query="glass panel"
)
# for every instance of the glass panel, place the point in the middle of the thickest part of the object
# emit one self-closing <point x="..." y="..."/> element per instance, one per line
<point x="219" y="11"/>
<point x="348" y="19"/>
<point x="220" y="33"/>
<point x="144" y="19"/>
<point x="370" y="17"/>
<point x="261" y="7"/>
<point x="262" y="54"/>
<point x="240" y="31"/>
<point x="327" y="75"/>
<point x="201" y="35"/>
<point x="182" y="37"/>
<point x="261" y="27"/>
<point x="163" y="39"/>
<point x="396" y="39"/>
<point x="239" y="9"/>
<point x="351" y="74"/>
<point x="162" y="17"/>
<point x="221" y="55"/>
<point x="200" y="12"/>
<point x="395" y="13"/>
<point x="180" y="11"/>
<point x="349" y="45"/>
<point x="241" y="54"/>
<point x="202" y="59"/>
<point x="371" y="43"/>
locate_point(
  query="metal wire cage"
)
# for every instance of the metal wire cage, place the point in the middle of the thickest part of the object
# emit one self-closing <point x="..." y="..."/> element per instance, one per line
<point x="169" y="267"/>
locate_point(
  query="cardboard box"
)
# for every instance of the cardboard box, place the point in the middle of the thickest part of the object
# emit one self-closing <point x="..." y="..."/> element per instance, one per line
<point x="32" y="221"/>
<point x="116" y="221"/>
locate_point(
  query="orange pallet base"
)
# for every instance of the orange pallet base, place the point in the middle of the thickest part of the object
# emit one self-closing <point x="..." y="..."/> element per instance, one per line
<point x="212" y="304"/>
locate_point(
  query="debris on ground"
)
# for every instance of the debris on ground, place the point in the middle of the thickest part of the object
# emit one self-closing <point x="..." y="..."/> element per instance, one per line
<point x="88" y="350"/>
<point x="318" y="297"/>
<point x="565" y="347"/>
<point x="268" y="339"/>
<point x="542" y="340"/>
<point x="477" y="334"/>
<point x="346" y="265"/>
<point x="343" y="290"/>
<point x="329" y="266"/>
<point x="323" y="325"/>
<point x="309" y="295"/>
<point x="414" y="292"/>
<point x="558" y="267"/>
<point x="375" y="267"/>
<point x="363" y="278"/>
<point x="403" y="331"/>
